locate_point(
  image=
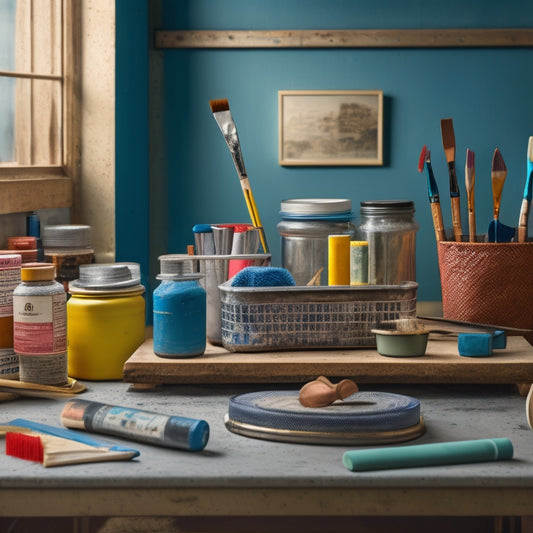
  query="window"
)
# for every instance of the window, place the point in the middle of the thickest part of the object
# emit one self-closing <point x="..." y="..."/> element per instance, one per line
<point x="39" y="125"/>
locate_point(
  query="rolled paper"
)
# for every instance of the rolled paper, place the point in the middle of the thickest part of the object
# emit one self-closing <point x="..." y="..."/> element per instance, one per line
<point x="441" y="453"/>
<point x="358" y="262"/>
<point x="339" y="260"/>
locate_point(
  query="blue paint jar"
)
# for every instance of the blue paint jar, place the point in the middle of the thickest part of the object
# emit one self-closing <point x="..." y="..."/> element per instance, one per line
<point x="179" y="309"/>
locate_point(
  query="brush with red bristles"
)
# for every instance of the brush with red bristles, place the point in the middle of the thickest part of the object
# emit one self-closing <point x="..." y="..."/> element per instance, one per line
<point x="433" y="194"/>
<point x="53" y="446"/>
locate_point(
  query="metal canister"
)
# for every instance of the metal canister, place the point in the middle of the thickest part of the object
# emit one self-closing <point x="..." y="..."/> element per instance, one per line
<point x="304" y="229"/>
<point x="390" y="228"/>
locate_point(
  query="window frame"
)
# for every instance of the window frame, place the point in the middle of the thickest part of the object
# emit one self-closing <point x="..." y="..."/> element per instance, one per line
<point x="27" y="187"/>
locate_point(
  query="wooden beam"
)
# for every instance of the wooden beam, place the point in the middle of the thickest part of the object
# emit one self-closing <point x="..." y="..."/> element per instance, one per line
<point x="426" y="38"/>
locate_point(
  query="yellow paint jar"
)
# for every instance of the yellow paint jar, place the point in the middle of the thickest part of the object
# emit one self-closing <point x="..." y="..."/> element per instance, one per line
<point x="105" y="324"/>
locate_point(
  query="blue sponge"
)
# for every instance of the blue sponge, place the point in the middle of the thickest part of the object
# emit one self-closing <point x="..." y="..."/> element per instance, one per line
<point x="256" y="276"/>
<point x="499" y="340"/>
<point x="475" y="344"/>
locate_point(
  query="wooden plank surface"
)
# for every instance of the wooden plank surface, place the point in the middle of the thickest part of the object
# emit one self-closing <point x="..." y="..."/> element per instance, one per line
<point x="441" y="364"/>
<point x="378" y="38"/>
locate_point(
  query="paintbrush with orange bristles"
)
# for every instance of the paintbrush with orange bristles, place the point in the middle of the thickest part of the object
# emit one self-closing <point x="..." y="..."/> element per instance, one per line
<point x="448" y="143"/>
<point x="470" y="178"/>
<point x="222" y="114"/>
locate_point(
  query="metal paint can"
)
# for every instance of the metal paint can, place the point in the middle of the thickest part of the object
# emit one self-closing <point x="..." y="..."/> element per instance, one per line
<point x="106" y="320"/>
<point x="390" y="229"/>
<point x="305" y="228"/>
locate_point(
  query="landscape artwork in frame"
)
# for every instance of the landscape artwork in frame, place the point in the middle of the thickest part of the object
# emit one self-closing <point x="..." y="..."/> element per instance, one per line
<point x="330" y="128"/>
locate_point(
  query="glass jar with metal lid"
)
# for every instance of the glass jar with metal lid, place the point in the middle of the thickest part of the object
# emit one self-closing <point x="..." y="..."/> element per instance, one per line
<point x="304" y="229"/>
<point x="179" y="309"/>
<point x="390" y="229"/>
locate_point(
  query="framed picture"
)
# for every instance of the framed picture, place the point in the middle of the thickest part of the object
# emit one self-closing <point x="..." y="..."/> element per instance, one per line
<point x="330" y="128"/>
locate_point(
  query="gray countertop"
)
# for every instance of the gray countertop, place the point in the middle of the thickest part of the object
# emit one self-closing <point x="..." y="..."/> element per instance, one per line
<point x="232" y="461"/>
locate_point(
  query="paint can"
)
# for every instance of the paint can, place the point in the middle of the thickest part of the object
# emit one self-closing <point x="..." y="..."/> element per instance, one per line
<point x="9" y="280"/>
<point x="106" y="320"/>
<point x="39" y="326"/>
<point x="390" y="229"/>
<point x="304" y="229"/>
<point x="67" y="246"/>
<point x="358" y="263"/>
<point x="179" y="304"/>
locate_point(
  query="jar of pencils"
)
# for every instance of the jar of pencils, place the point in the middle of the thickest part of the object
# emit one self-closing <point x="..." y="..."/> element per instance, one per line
<point x="106" y="320"/>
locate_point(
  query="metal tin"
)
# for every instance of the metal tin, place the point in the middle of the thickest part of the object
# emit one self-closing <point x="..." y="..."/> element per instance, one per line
<point x="304" y="229"/>
<point x="106" y="320"/>
<point x="390" y="228"/>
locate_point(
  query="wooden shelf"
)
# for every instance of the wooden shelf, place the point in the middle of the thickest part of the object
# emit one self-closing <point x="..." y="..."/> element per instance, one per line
<point x="441" y="364"/>
<point x="393" y="38"/>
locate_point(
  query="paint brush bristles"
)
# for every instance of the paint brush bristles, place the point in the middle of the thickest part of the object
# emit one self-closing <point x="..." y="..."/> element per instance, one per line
<point x="470" y="178"/>
<point x="222" y="114"/>
<point x="448" y="143"/>
<point x="498" y="174"/>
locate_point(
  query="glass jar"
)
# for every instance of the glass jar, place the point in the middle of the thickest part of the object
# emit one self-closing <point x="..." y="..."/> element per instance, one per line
<point x="390" y="229"/>
<point x="179" y="309"/>
<point x="305" y="228"/>
<point x="106" y="320"/>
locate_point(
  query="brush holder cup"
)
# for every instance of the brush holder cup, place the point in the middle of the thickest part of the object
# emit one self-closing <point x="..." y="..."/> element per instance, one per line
<point x="488" y="283"/>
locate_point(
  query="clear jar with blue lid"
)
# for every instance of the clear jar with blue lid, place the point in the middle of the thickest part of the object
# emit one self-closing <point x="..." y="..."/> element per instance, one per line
<point x="304" y="229"/>
<point x="179" y="302"/>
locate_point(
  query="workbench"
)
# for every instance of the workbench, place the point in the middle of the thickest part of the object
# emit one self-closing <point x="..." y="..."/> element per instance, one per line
<point x="239" y="478"/>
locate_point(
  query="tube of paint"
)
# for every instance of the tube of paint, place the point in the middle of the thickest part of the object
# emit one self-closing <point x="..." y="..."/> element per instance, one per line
<point x="134" y="424"/>
<point x="440" y="453"/>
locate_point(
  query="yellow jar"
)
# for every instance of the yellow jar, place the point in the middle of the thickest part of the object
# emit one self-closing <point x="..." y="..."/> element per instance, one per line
<point x="104" y="327"/>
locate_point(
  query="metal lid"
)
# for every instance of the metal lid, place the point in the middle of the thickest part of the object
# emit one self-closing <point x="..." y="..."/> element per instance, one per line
<point x="316" y="206"/>
<point x="67" y="236"/>
<point x="177" y="266"/>
<point x="387" y="206"/>
<point x="108" y="276"/>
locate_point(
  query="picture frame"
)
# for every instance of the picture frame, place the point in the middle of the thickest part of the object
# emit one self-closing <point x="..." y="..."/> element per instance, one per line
<point x="330" y="128"/>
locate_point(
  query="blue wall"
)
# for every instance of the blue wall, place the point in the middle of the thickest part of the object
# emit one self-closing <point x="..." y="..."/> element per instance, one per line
<point x="485" y="91"/>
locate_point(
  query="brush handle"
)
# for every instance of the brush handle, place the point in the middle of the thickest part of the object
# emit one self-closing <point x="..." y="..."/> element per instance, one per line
<point x="472" y="226"/>
<point x="522" y="224"/>
<point x="254" y="213"/>
<point x="456" y="218"/>
<point x="438" y="224"/>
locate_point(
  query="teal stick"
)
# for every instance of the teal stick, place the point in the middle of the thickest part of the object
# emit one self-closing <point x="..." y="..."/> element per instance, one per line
<point x="440" y="453"/>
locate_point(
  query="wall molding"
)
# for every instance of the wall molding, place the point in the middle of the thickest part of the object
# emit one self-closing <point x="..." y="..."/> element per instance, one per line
<point x="411" y="38"/>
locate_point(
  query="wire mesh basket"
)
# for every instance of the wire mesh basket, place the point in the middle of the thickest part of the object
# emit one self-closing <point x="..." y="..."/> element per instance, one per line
<point x="258" y="319"/>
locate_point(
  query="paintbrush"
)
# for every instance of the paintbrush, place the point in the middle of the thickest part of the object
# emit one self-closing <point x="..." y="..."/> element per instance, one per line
<point x="55" y="446"/>
<point x="470" y="178"/>
<point x="448" y="143"/>
<point x="433" y="194"/>
<point x="526" y="201"/>
<point x="222" y="114"/>
<point x="498" y="232"/>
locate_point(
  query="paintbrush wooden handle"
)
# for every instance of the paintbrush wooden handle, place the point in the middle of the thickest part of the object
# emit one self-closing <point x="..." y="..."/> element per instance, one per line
<point x="522" y="224"/>
<point x="252" y="210"/>
<point x="456" y="218"/>
<point x="472" y="225"/>
<point x="438" y="224"/>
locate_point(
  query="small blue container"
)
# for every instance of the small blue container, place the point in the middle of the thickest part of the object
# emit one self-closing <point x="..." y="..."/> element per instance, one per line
<point x="179" y="304"/>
